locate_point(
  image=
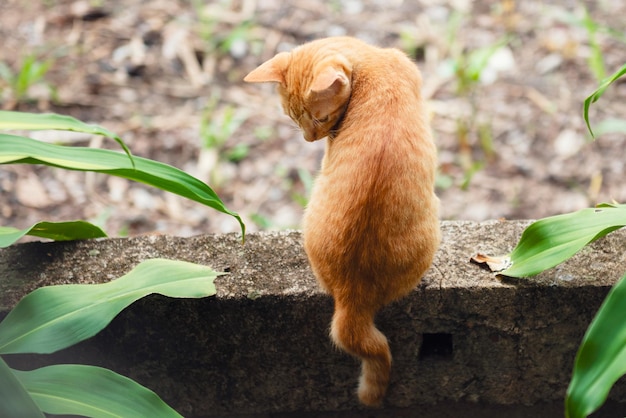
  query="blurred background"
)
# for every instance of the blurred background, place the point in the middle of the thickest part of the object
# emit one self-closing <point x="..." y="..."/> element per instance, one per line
<point x="505" y="82"/>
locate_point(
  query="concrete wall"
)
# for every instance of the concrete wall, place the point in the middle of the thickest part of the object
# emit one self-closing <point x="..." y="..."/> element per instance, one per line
<point x="465" y="343"/>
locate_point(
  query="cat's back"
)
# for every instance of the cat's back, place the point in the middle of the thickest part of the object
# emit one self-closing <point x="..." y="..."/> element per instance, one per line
<point x="387" y="84"/>
<point x="374" y="198"/>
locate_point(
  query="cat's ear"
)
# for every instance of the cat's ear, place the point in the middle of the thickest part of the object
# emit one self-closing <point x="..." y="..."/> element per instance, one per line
<point x="330" y="81"/>
<point x="272" y="70"/>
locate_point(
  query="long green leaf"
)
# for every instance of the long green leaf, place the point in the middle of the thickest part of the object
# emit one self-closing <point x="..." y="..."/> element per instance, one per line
<point x="55" y="317"/>
<point x="598" y="93"/>
<point x="479" y="58"/>
<point x="22" y="150"/>
<point x="601" y="358"/>
<point x="68" y="389"/>
<point x="40" y="121"/>
<point x="14" y="399"/>
<point x="552" y="240"/>
<point x="58" y="231"/>
<point x="610" y="125"/>
<point x="596" y="59"/>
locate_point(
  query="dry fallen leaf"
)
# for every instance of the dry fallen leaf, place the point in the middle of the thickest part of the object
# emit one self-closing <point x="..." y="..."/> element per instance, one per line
<point x="494" y="264"/>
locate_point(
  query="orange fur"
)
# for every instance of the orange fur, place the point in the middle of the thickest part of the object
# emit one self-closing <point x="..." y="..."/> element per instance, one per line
<point x="371" y="227"/>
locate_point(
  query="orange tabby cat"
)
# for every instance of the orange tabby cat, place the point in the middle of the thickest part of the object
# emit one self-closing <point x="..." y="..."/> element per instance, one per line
<point x="371" y="227"/>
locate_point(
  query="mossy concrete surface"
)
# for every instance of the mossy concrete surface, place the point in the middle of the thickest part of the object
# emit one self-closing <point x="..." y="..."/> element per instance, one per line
<point x="465" y="343"/>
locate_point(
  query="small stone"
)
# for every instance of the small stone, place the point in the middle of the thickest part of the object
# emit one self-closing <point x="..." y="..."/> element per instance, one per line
<point x="568" y="143"/>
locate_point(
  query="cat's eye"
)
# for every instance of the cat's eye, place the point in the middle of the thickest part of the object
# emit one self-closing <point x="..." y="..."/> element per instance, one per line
<point x="324" y="119"/>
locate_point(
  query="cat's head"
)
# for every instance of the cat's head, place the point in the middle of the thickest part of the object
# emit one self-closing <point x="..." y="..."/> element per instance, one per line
<point x="314" y="85"/>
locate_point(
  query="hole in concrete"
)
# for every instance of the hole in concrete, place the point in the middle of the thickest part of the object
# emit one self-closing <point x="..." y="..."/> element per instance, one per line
<point x="436" y="345"/>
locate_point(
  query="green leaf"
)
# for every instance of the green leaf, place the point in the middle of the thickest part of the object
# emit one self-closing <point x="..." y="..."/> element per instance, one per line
<point x="68" y="389"/>
<point x="479" y="58"/>
<point x="14" y="399"/>
<point x="601" y="358"/>
<point x="40" y="121"/>
<point x="58" y="231"/>
<point x="598" y="93"/>
<point x="596" y="59"/>
<point x="552" y="240"/>
<point x="22" y="150"/>
<point x="32" y="71"/>
<point x="610" y="125"/>
<point x="55" y="317"/>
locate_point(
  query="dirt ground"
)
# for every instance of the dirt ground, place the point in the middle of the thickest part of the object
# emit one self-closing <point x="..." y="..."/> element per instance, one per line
<point x="505" y="82"/>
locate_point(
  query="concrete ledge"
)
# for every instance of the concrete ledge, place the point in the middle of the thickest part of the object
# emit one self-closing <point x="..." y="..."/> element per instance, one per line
<point x="463" y="341"/>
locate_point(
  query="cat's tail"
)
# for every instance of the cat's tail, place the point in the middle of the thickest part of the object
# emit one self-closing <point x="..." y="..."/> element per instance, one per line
<point x="353" y="331"/>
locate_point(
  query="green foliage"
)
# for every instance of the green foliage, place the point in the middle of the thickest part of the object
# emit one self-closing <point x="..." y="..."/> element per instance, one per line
<point x="219" y="35"/>
<point x="23" y="150"/>
<point x="39" y="121"/>
<point x="218" y="125"/>
<point x="52" y="318"/>
<point x="261" y="220"/>
<point x="469" y="66"/>
<point x="466" y="65"/>
<point x="238" y="153"/>
<point x="14" y="399"/>
<point x="306" y="178"/>
<point x="595" y="60"/>
<point x="550" y="241"/>
<point x="609" y="125"/>
<point x="57" y="231"/>
<point x="31" y="72"/>
<point x="601" y="357"/>
<point x="263" y="132"/>
<point x="598" y="93"/>
<point x="20" y="150"/>
<point x="597" y="66"/>
<point x="56" y="317"/>
<point x="75" y="312"/>
<point x="78" y="390"/>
